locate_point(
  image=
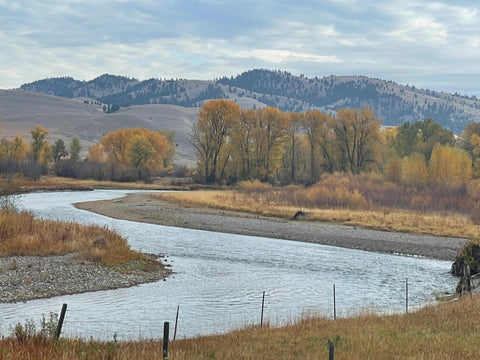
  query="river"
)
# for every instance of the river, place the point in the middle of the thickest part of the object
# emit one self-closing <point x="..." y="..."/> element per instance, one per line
<point x="220" y="278"/>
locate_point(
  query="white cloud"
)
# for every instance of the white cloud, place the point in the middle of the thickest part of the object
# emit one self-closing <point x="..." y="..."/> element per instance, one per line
<point x="409" y="41"/>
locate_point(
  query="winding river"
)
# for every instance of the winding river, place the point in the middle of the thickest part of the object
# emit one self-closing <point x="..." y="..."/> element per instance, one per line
<point x="220" y="278"/>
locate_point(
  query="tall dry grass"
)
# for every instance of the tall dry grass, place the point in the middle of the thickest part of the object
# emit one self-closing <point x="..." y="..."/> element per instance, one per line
<point x="22" y="234"/>
<point x="443" y="332"/>
<point x="273" y="203"/>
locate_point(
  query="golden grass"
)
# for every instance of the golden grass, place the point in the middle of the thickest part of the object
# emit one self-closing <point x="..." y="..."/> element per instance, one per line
<point x="443" y="332"/>
<point x="62" y="181"/>
<point x="19" y="184"/>
<point x="454" y="225"/>
<point x="22" y="234"/>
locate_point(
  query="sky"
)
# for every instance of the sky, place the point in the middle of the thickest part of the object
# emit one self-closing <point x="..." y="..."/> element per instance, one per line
<point x="429" y="44"/>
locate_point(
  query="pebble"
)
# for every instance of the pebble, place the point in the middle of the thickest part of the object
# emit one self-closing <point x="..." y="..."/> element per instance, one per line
<point x="24" y="278"/>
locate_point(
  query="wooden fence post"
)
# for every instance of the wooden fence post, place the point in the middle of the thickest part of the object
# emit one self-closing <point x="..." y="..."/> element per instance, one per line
<point x="166" y="326"/>
<point x="263" y="306"/>
<point x="176" y="321"/>
<point x="334" y="304"/>
<point x="60" y="322"/>
<point x="406" y="295"/>
<point x="331" y="350"/>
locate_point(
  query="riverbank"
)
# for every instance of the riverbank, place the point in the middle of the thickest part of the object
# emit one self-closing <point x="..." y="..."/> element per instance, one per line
<point x="147" y="208"/>
<point x="43" y="258"/>
<point x="25" y="278"/>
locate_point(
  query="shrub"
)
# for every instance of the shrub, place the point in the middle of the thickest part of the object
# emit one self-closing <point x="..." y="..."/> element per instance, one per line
<point x="254" y="186"/>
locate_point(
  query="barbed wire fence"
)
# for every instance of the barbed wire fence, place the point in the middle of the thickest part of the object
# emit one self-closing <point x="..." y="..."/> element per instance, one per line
<point x="77" y="325"/>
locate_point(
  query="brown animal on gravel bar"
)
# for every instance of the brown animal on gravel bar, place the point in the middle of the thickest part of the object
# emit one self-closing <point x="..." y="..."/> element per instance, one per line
<point x="299" y="215"/>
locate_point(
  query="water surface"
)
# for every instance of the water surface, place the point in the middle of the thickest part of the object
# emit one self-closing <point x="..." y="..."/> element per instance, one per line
<point x="220" y="278"/>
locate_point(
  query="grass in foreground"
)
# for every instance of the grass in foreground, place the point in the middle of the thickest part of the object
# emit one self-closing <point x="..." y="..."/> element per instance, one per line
<point x="443" y="332"/>
<point x="454" y="225"/>
<point x="22" y="234"/>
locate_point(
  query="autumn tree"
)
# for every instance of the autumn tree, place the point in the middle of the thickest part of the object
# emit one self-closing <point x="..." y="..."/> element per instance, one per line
<point x="421" y="137"/>
<point x="135" y="147"/>
<point x="430" y="134"/>
<point x="210" y="134"/>
<point x="448" y="164"/>
<point x="272" y="131"/>
<point x="319" y="129"/>
<point x="414" y="170"/>
<point x="39" y="144"/>
<point x="358" y="137"/>
<point x="75" y="148"/>
<point x="296" y="121"/>
<point x="242" y="140"/>
<point x="15" y="149"/>
<point x="140" y="150"/>
<point x="96" y="153"/>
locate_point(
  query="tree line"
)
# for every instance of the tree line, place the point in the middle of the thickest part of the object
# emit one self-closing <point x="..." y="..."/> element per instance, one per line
<point x="235" y="144"/>
<point x="122" y="155"/>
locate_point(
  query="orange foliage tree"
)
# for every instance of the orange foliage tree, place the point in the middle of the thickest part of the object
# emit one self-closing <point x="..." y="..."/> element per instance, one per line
<point x="134" y="147"/>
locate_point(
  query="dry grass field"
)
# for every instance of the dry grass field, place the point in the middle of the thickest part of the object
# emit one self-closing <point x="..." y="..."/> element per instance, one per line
<point x="22" y="234"/>
<point x="443" y="332"/>
<point x="454" y="225"/>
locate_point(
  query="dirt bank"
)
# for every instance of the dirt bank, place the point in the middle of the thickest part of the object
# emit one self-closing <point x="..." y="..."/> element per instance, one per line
<point x="145" y="208"/>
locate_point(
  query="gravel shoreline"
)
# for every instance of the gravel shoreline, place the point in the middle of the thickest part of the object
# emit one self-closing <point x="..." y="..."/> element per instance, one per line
<point x="143" y="207"/>
<point x="25" y="278"/>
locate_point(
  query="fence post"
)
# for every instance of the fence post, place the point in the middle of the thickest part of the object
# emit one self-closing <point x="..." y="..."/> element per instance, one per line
<point x="331" y="350"/>
<point x="263" y="306"/>
<point x="166" y="326"/>
<point x="60" y="322"/>
<point x="406" y="295"/>
<point x="334" y="304"/>
<point x="176" y="321"/>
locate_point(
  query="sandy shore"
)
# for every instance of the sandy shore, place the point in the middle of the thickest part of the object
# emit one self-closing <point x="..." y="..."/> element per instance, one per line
<point x="146" y="208"/>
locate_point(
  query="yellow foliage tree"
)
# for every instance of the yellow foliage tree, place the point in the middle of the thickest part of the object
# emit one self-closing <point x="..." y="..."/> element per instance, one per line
<point x="414" y="170"/>
<point x="39" y="143"/>
<point x="216" y="120"/>
<point x="96" y="153"/>
<point x="128" y="147"/>
<point x="393" y="169"/>
<point x="16" y="149"/>
<point x="448" y="164"/>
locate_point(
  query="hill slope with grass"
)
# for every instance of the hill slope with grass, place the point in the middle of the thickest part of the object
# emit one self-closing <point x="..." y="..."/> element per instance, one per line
<point x="393" y="103"/>
<point x="65" y="118"/>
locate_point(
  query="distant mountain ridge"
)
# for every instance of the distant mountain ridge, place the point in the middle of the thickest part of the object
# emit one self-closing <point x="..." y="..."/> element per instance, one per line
<point x="393" y="103"/>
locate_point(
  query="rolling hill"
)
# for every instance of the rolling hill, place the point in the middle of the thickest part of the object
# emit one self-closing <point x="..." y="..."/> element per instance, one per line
<point x="90" y="109"/>
<point x="393" y="103"/>
<point x="65" y="118"/>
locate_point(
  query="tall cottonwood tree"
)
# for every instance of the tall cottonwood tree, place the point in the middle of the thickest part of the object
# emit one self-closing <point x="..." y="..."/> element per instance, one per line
<point x="319" y="129"/>
<point x="39" y="144"/>
<point x="358" y="134"/>
<point x="273" y="130"/>
<point x="215" y="122"/>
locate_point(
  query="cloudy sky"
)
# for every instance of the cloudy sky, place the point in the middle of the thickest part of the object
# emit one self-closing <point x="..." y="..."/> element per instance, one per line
<point x="429" y="44"/>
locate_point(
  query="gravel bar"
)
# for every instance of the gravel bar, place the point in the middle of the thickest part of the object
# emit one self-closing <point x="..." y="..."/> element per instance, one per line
<point x="143" y="207"/>
<point x="24" y="278"/>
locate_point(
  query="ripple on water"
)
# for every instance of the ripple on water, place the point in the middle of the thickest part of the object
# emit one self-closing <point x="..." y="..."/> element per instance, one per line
<point x="220" y="278"/>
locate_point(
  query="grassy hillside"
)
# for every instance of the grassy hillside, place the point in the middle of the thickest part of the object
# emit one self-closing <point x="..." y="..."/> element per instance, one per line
<point x="66" y="118"/>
